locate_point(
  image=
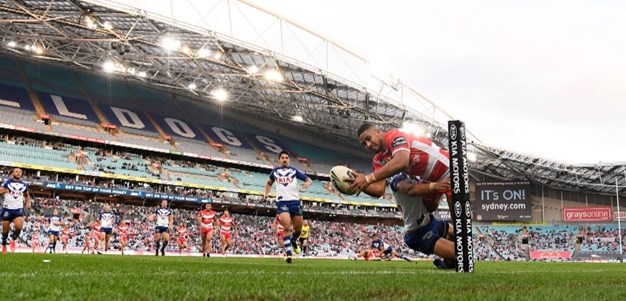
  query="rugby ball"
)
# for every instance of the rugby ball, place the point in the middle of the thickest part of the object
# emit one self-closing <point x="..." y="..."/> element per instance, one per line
<point x="337" y="174"/>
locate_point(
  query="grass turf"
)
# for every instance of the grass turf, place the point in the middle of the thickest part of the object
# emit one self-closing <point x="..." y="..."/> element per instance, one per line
<point x="75" y="277"/>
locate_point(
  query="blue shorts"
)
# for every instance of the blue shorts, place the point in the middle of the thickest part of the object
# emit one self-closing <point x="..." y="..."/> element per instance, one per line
<point x="11" y="214"/>
<point x="423" y="239"/>
<point x="55" y="233"/>
<point x="161" y="229"/>
<point x="106" y="230"/>
<point x="388" y="251"/>
<point x="291" y="207"/>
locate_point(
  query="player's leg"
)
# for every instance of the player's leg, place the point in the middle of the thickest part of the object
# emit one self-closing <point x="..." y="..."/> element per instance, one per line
<point x="429" y="239"/>
<point x="6" y="224"/>
<point x="102" y="244"/>
<point x="166" y="241"/>
<point x="122" y="244"/>
<point x="204" y="243"/>
<point x="281" y="244"/>
<point x="18" y="225"/>
<point x="209" y="243"/>
<point x="5" y="234"/>
<point x="51" y="242"/>
<point x="285" y="221"/>
<point x="304" y="242"/>
<point x="157" y="242"/>
<point x="295" y="209"/>
<point x="223" y="244"/>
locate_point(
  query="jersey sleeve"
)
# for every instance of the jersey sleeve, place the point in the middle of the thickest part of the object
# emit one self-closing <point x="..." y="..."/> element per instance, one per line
<point x="272" y="177"/>
<point x="5" y="185"/>
<point x="398" y="141"/>
<point x="300" y="175"/>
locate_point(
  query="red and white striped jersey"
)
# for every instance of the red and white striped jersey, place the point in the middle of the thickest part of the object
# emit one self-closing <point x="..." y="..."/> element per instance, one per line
<point x="426" y="160"/>
<point x="226" y="223"/>
<point x="122" y="230"/>
<point x="207" y="218"/>
<point x="96" y="227"/>
<point x="66" y="231"/>
<point x="181" y="231"/>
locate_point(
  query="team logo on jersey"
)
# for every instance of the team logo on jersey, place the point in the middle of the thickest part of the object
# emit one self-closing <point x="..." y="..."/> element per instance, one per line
<point x="399" y="141"/>
<point x="284" y="177"/>
<point x="428" y="235"/>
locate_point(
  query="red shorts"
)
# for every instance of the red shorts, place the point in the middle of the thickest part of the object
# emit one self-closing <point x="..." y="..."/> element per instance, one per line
<point x="88" y="243"/>
<point x="65" y="239"/>
<point x="204" y="231"/>
<point x="35" y="243"/>
<point x="96" y="235"/>
<point x="182" y="241"/>
<point x="124" y="238"/>
<point x="225" y="235"/>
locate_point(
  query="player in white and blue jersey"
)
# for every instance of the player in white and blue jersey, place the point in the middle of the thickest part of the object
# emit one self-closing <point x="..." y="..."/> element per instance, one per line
<point x="107" y="221"/>
<point x="164" y="220"/>
<point x="55" y="223"/>
<point x="385" y="249"/>
<point x="16" y="198"/>
<point x="288" y="200"/>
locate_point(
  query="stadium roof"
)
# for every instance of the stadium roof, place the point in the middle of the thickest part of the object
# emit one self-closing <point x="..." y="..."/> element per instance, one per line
<point x="276" y="69"/>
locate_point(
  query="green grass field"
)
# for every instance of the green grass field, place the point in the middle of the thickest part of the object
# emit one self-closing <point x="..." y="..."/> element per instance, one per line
<point x="73" y="277"/>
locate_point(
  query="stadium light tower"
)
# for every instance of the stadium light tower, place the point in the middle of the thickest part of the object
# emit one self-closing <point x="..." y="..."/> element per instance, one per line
<point x="413" y="128"/>
<point x="273" y="75"/>
<point x="108" y="66"/>
<point x="297" y="118"/>
<point x="220" y="94"/>
<point x="169" y="43"/>
<point x="203" y="52"/>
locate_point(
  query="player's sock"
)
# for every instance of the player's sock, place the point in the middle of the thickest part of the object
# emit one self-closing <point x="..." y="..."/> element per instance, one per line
<point x="4" y="239"/>
<point x="304" y="249"/>
<point x="287" y="242"/>
<point x="163" y="248"/>
<point x="16" y="234"/>
<point x="54" y="247"/>
<point x="50" y="246"/>
<point x="294" y="239"/>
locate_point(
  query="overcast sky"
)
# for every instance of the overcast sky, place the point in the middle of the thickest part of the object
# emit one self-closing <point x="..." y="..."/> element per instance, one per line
<point x="546" y="78"/>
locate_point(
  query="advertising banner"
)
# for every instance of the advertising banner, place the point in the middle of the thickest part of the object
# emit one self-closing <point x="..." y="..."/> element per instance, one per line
<point x="587" y="214"/>
<point x="503" y="201"/>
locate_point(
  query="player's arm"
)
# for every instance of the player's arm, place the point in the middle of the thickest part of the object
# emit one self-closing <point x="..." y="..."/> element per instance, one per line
<point x="413" y="188"/>
<point x="171" y="225"/>
<point x="27" y="204"/>
<point x="200" y="219"/>
<point x="268" y="187"/>
<point x="398" y="163"/>
<point x="303" y="177"/>
<point x="275" y="225"/>
<point x="376" y="189"/>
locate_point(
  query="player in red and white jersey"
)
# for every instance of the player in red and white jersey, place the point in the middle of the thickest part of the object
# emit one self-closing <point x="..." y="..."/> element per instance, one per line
<point x="122" y="232"/>
<point x="398" y="151"/>
<point x="206" y="218"/>
<point x="226" y="225"/>
<point x="65" y="237"/>
<point x="95" y="235"/>
<point x="181" y="232"/>
<point x="87" y="243"/>
<point x="279" y="232"/>
<point x="34" y="241"/>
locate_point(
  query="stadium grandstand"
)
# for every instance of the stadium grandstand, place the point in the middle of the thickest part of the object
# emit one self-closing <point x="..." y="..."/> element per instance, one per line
<point x="106" y="103"/>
